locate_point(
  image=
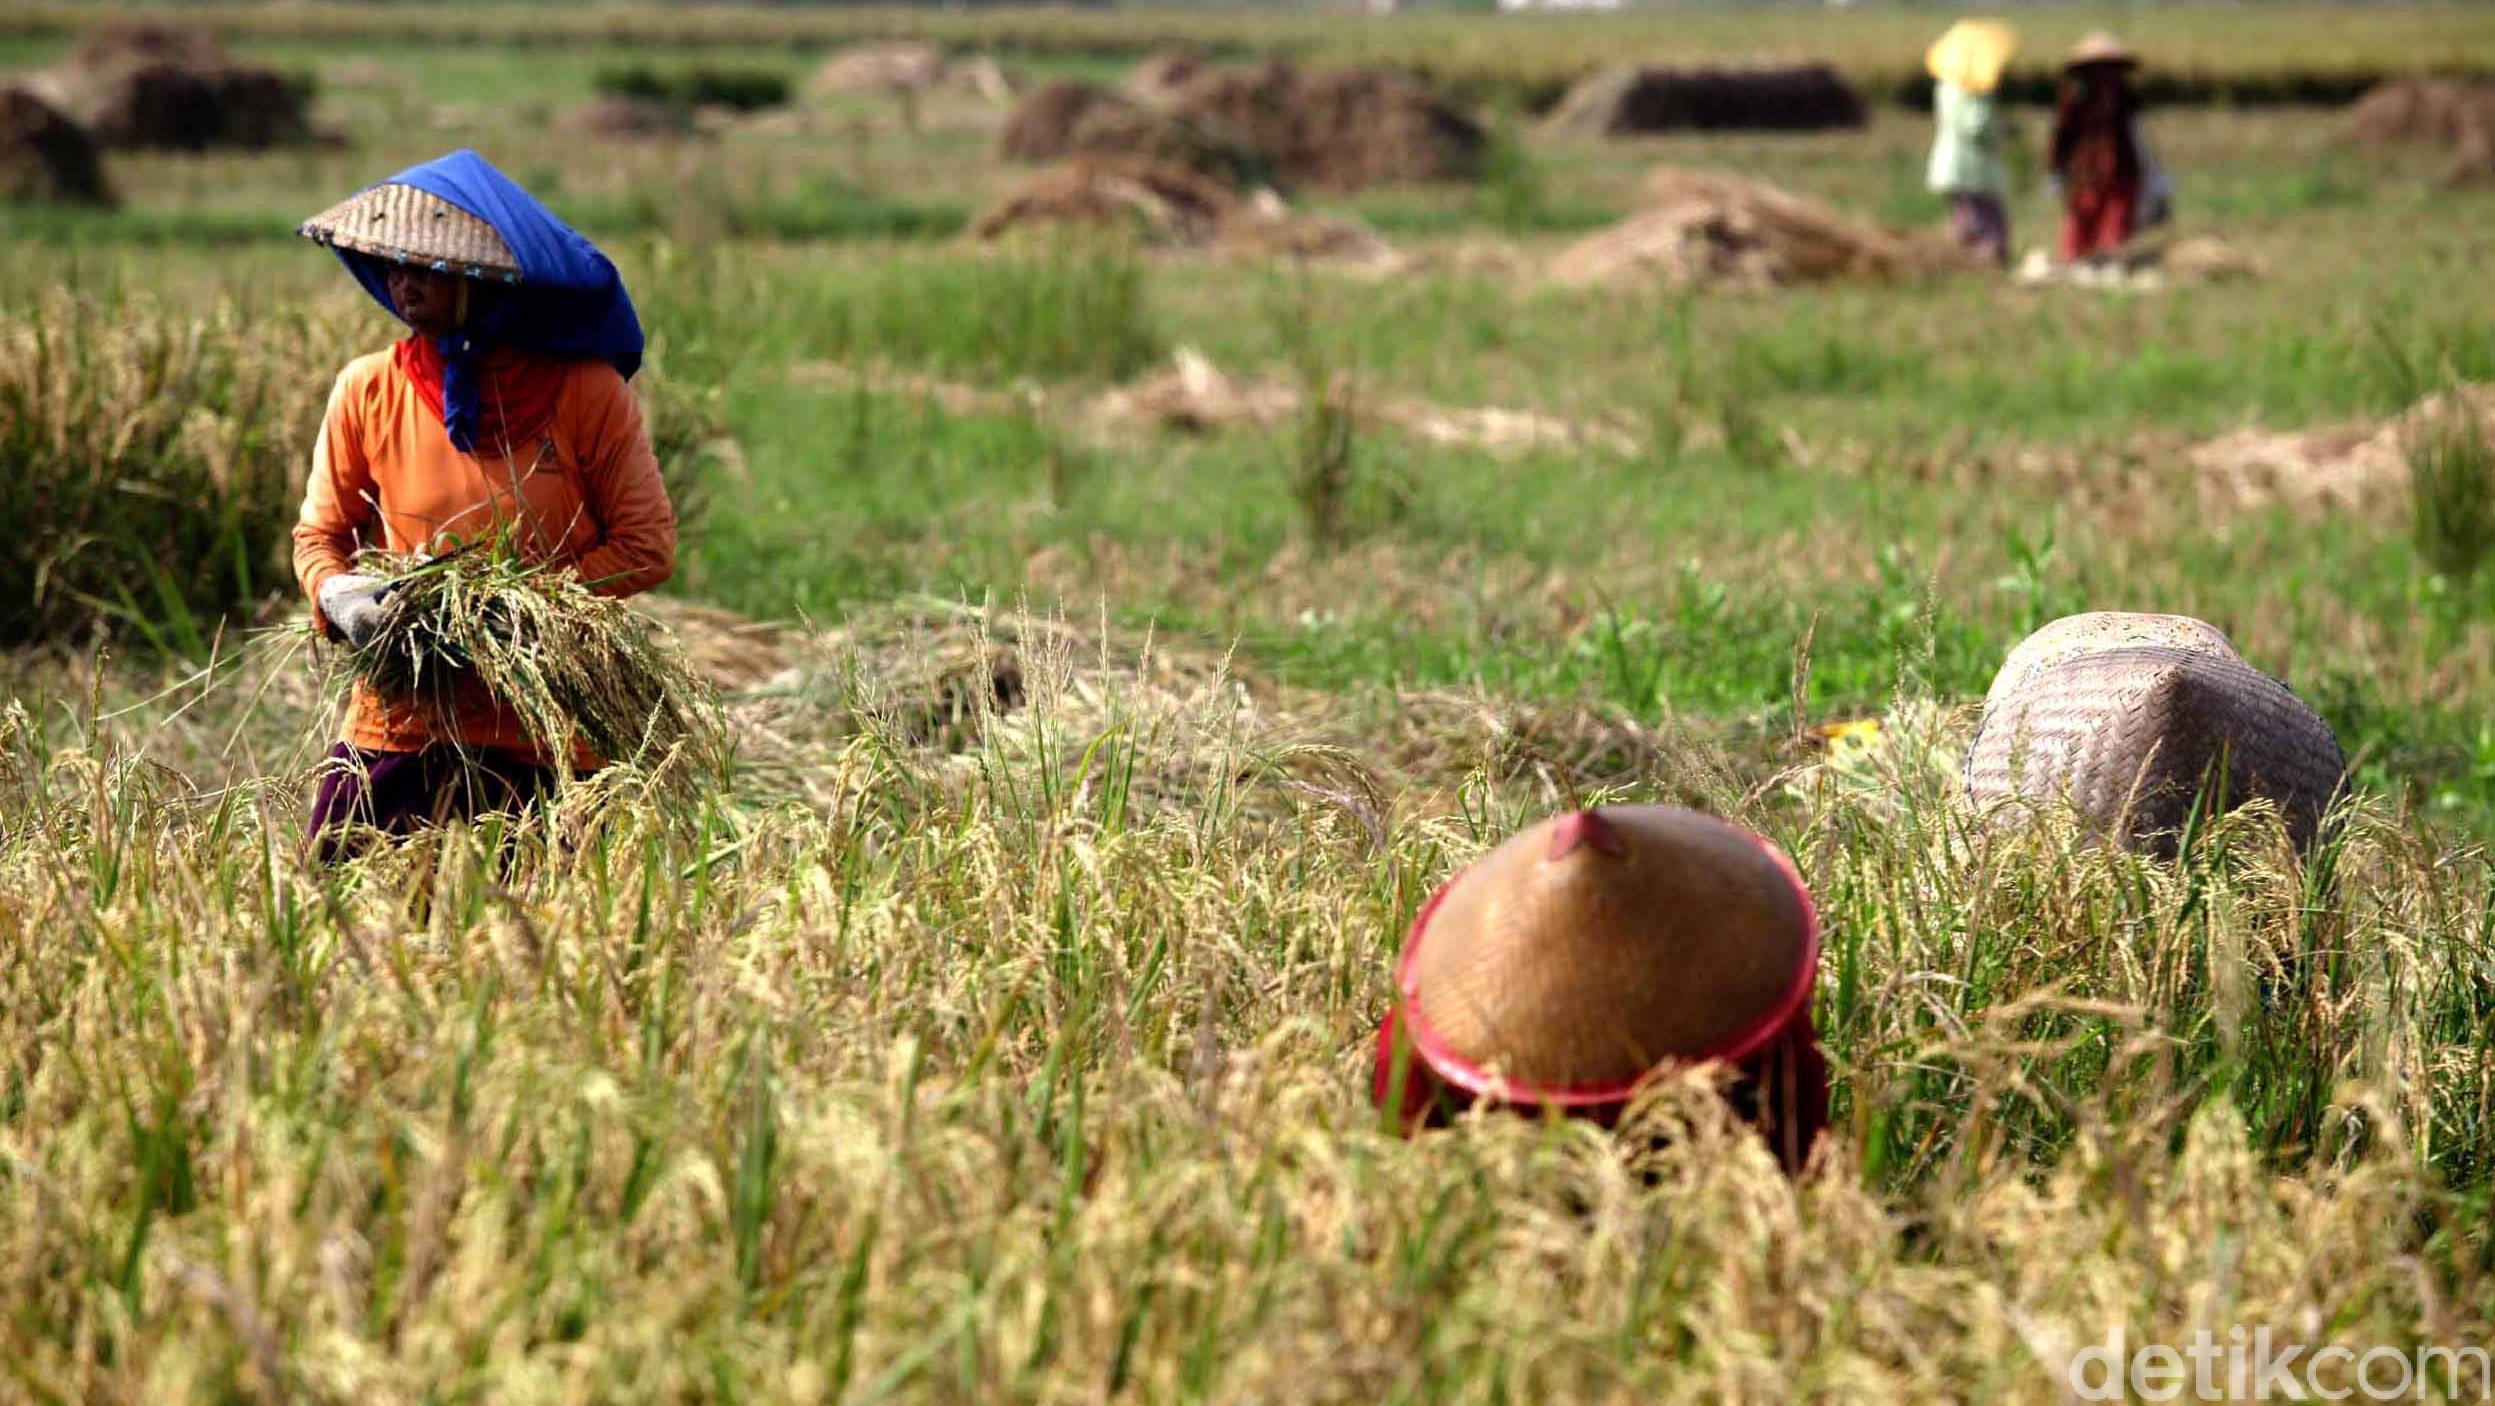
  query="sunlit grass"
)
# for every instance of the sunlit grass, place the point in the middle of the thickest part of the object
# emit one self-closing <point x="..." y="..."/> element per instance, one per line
<point x="1037" y="1069"/>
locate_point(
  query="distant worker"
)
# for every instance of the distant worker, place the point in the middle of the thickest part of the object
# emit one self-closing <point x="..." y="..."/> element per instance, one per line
<point x="1968" y="134"/>
<point x="1596" y="950"/>
<point x="503" y="416"/>
<point x="2097" y="156"/>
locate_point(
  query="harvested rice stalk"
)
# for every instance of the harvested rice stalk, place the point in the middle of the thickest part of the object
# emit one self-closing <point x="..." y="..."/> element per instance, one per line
<point x="575" y="666"/>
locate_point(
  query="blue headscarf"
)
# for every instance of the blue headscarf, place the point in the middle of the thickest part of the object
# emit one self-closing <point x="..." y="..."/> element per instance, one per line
<point x="569" y="301"/>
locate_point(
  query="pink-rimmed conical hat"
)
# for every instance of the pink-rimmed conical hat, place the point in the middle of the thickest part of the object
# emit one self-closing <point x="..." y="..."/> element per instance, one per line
<point x="1593" y="948"/>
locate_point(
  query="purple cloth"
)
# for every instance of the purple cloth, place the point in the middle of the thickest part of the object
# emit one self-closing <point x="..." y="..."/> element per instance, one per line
<point x="1981" y="224"/>
<point x="399" y="793"/>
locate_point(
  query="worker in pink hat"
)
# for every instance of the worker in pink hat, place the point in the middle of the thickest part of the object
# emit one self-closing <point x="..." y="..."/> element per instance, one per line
<point x="2097" y="155"/>
<point x="1598" y="949"/>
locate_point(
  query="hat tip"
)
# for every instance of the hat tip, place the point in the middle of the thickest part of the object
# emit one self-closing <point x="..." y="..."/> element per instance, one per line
<point x="1583" y="829"/>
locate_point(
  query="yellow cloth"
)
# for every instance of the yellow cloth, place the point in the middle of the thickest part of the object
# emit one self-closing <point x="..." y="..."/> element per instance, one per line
<point x="1972" y="54"/>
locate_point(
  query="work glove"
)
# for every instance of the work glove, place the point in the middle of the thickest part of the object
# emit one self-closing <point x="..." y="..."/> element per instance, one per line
<point x="352" y="603"/>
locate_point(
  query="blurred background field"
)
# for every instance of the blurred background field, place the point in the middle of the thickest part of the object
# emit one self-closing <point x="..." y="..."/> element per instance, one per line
<point x="1740" y="514"/>
<point x="1955" y="458"/>
<point x="2263" y="47"/>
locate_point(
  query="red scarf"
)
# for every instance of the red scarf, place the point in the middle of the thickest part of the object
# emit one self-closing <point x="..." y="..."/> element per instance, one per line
<point x="516" y="400"/>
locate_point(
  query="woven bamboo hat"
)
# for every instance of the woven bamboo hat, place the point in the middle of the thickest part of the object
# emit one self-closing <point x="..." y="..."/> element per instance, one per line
<point x="1971" y="54"/>
<point x="2137" y="736"/>
<point x="2101" y="630"/>
<point x="2100" y="47"/>
<point x="1594" y="947"/>
<point x="405" y="225"/>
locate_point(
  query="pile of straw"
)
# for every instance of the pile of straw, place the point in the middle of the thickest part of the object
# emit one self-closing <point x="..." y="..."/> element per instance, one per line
<point x="1172" y="206"/>
<point x="1337" y="128"/>
<point x="1630" y="99"/>
<point x="1070" y="120"/>
<point x="578" y="669"/>
<point x="2457" y="116"/>
<point x="1704" y="229"/>
<point x="1160" y="202"/>
<point x="146" y="83"/>
<point x="1333" y="129"/>
<point x="46" y="156"/>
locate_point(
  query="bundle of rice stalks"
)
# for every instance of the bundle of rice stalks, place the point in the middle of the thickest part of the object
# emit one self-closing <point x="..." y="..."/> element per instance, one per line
<point x="576" y="668"/>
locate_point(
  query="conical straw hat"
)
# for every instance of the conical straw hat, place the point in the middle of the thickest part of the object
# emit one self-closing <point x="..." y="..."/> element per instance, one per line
<point x="2136" y="738"/>
<point x="2099" y="47"/>
<point x="1971" y="54"/>
<point x="2101" y="630"/>
<point x="409" y="226"/>
<point x="1591" y="948"/>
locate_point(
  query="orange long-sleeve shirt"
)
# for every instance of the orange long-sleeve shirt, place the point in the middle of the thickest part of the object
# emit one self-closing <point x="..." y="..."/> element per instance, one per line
<point x="587" y="495"/>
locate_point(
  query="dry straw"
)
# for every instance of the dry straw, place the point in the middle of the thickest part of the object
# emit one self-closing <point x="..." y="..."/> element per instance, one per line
<point x="576" y="667"/>
<point x="1050" y="1052"/>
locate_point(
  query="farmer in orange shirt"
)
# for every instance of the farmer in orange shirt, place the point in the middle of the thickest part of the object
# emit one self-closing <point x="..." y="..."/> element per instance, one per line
<point x="504" y="416"/>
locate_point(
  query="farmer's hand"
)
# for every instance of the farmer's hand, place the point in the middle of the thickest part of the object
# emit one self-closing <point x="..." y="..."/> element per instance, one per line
<point x="351" y="602"/>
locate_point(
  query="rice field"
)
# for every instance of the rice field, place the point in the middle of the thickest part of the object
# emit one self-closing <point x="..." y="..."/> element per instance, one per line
<point x="998" y="1026"/>
<point x="2273" y="50"/>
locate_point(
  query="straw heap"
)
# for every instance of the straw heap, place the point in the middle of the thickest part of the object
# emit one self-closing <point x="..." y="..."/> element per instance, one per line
<point x="576" y="667"/>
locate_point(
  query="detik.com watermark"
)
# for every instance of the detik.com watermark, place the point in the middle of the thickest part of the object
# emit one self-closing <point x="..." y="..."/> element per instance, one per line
<point x="2256" y="1365"/>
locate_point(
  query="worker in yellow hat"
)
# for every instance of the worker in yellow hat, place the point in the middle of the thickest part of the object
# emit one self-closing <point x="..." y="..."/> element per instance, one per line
<point x="1969" y="134"/>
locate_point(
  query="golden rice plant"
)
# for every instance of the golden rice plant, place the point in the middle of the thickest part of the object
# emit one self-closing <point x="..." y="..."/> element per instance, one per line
<point x="1036" y="1072"/>
<point x="150" y="461"/>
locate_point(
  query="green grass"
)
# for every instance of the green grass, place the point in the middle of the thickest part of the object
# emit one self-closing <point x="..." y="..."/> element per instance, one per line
<point x="1054" y="315"/>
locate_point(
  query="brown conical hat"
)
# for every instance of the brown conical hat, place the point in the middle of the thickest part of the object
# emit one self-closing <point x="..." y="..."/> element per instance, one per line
<point x="1592" y="947"/>
<point x="2136" y="738"/>
<point x="2100" y="47"/>
<point x="2099" y="631"/>
<point x="409" y="226"/>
